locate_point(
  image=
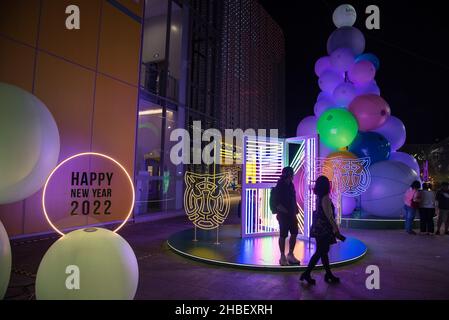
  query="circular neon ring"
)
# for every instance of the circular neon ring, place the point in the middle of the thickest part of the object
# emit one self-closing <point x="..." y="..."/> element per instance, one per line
<point x="82" y="155"/>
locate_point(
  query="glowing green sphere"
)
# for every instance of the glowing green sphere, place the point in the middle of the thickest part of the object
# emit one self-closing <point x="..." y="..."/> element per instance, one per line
<point x="88" y="264"/>
<point x="337" y="128"/>
<point x="5" y="261"/>
<point x="29" y="143"/>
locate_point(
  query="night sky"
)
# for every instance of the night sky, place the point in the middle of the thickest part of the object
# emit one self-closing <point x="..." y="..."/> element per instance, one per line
<point x="412" y="45"/>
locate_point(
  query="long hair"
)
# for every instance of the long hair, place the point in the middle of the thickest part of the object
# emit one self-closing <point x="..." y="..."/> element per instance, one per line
<point x="322" y="186"/>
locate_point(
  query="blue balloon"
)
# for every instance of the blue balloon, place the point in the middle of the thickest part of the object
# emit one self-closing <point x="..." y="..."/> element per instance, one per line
<point x="369" y="57"/>
<point x="371" y="144"/>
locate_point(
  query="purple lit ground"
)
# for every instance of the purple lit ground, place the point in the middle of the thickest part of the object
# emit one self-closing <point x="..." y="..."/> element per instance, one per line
<point x="411" y="267"/>
<point x="255" y="252"/>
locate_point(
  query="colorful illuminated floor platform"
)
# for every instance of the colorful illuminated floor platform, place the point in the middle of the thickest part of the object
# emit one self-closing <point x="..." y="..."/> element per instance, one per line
<point x="260" y="253"/>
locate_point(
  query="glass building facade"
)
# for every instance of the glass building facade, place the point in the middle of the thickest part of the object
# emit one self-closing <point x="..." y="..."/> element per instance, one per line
<point x="214" y="61"/>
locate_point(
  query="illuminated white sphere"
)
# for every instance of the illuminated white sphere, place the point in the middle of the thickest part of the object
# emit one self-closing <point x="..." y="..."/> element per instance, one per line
<point x="344" y="16"/>
<point x="5" y="261"/>
<point x="107" y="265"/>
<point x="29" y="144"/>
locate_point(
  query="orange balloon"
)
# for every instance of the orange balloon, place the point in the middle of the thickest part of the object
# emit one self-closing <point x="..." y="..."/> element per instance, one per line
<point x="328" y="169"/>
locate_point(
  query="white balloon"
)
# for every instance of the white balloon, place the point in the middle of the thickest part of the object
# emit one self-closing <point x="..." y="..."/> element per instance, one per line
<point x="5" y="261"/>
<point x="29" y="144"/>
<point x="344" y="16"/>
<point x="100" y="261"/>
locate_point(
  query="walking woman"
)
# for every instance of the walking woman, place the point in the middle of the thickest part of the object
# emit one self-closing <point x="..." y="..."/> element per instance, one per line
<point x="426" y="209"/>
<point x="325" y="230"/>
<point x="411" y="204"/>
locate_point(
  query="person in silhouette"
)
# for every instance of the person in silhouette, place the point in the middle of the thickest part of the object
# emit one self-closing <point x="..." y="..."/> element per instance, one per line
<point x="285" y="207"/>
<point x="411" y="205"/>
<point x="325" y="231"/>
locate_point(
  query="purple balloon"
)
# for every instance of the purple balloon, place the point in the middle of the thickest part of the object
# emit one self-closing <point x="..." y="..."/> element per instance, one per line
<point x="322" y="64"/>
<point x="348" y="205"/>
<point x="394" y="131"/>
<point x="307" y="126"/>
<point x="370" y="88"/>
<point x="342" y="59"/>
<point x="406" y="159"/>
<point x="346" y="37"/>
<point x="385" y="195"/>
<point x="362" y="73"/>
<point x="323" y="105"/>
<point x="324" y="95"/>
<point x="344" y="94"/>
<point x="329" y="80"/>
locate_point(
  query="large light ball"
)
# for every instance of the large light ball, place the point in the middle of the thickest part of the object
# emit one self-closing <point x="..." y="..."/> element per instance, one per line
<point x="372" y="145"/>
<point x="337" y="128"/>
<point x="394" y="131"/>
<point x="385" y="195"/>
<point x="348" y="205"/>
<point x="322" y="64"/>
<point x="342" y="59"/>
<point x="29" y="144"/>
<point x="369" y="57"/>
<point x="346" y="37"/>
<point x="5" y="261"/>
<point x="107" y="267"/>
<point x="362" y="73"/>
<point x="344" y="94"/>
<point x="344" y="16"/>
<point x="406" y="159"/>
<point x="307" y="127"/>
<point x="371" y="111"/>
<point x="329" y="80"/>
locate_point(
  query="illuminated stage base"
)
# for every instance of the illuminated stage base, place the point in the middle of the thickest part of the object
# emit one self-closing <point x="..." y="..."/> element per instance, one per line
<point x="260" y="253"/>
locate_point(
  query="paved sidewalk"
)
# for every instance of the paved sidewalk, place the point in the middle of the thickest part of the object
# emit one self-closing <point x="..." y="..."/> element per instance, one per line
<point x="411" y="267"/>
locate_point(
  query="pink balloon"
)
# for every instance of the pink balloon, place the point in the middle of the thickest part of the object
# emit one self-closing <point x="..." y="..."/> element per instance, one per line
<point x="394" y="131"/>
<point x="307" y="126"/>
<point x="362" y="72"/>
<point x="342" y="59"/>
<point x="348" y="205"/>
<point x="344" y="94"/>
<point x="329" y="80"/>
<point x="371" y="111"/>
<point x="322" y="65"/>
<point x="370" y="88"/>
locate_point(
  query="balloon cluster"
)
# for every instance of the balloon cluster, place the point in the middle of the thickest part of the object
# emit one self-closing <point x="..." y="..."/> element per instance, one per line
<point x="350" y="113"/>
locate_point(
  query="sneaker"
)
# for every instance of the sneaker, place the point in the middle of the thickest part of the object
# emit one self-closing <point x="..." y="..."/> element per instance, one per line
<point x="292" y="260"/>
<point x="283" y="261"/>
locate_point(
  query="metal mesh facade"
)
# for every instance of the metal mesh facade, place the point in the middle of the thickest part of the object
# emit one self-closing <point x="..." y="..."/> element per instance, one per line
<point x="252" y="56"/>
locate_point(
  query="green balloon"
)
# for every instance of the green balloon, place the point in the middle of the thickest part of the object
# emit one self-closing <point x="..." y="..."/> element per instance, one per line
<point x="88" y="264"/>
<point x="5" y="261"/>
<point x="337" y="128"/>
